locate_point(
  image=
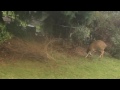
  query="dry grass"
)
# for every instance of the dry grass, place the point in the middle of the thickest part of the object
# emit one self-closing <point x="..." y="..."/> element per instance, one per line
<point x="33" y="49"/>
<point x="21" y="49"/>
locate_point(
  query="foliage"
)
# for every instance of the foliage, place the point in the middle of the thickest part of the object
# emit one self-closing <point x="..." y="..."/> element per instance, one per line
<point x="115" y="50"/>
<point x="50" y="21"/>
<point x="60" y="23"/>
<point x="102" y="25"/>
<point x="80" y="34"/>
<point x="105" y="26"/>
<point x="4" y="35"/>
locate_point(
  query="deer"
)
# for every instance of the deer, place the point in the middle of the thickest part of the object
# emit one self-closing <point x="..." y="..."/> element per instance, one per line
<point x="97" y="45"/>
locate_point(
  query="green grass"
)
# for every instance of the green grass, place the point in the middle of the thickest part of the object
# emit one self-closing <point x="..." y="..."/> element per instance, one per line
<point x="63" y="68"/>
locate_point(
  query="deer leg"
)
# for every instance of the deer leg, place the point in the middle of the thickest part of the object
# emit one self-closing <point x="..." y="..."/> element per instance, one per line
<point x="101" y="55"/>
<point x="89" y="53"/>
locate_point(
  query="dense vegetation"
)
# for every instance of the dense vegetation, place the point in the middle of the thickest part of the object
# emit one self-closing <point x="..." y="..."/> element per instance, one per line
<point x="73" y="26"/>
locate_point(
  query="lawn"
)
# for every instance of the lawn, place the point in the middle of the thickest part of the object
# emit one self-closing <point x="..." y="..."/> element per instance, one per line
<point x="62" y="68"/>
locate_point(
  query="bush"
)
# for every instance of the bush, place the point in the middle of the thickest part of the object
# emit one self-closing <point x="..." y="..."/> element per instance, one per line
<point x="115" y="51"/>
<point x="4" y="35"/>
<point x="80" y="34"/>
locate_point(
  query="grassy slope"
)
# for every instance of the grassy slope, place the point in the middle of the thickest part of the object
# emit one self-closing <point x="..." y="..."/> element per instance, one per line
<point x="63" y="68"/>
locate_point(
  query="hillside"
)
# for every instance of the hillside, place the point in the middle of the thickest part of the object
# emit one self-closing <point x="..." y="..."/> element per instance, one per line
<point x="32" y="59"/>
<point x="17" y="48"/>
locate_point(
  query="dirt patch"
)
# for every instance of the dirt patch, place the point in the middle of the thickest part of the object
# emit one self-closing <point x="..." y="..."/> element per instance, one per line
<point x="77" y="51"/>
<point x="17" y="48"/>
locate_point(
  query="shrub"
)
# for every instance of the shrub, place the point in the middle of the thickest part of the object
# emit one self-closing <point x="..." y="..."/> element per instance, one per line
<point x="80" y="34"/>
<point x="4" y="35"/>
<point x="115" y="50"/>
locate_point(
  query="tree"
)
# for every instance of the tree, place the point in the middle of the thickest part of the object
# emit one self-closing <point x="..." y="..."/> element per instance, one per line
<point x="60" y="23"/>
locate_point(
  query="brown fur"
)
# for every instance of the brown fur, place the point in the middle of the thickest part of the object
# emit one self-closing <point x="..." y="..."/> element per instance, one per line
<point x="97" y="45"/>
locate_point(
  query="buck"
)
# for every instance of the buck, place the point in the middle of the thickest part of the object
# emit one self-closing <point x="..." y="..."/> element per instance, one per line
<point x="97" y="45"/>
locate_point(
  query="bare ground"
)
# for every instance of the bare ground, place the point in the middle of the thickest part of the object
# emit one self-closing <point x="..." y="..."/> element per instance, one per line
<point x="17" y="48"/>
